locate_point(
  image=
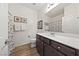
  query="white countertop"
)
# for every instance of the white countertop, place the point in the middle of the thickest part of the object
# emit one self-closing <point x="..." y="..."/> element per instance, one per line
<point x="69" y="40"/>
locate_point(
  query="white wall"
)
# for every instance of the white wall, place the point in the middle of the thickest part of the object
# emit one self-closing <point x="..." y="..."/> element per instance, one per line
<point x="3" y="28"/>
<point x="70" y="23"/>
<point x="3" y="23"/>
<point x="4" y="20"/>
<point x="31" y="25"/>
<point x="71" y="10"/>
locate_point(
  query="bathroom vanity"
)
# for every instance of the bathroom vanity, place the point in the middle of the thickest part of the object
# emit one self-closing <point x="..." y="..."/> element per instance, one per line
<point x="56" y="45"/>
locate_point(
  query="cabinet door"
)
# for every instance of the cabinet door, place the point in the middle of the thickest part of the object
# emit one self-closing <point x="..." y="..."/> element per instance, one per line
<point x="77" y="52"/>
<point x="39" y="46"/>
<point x="50" y="51"/>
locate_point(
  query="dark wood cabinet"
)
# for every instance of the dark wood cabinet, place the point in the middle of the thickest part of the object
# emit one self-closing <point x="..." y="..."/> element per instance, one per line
<point x="77" y="52"/>
<point x="50" y="51"/>
<point x="63" y="48"/>
<point x="39" y="46"/>
<point x="45" y="40"/>
<point x="48" y="47"/>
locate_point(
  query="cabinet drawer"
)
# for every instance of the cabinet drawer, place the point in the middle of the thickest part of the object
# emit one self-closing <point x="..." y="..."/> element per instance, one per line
<point x="50" y="51"/>
<point x="67" y="50"/>
<point x="46" y="40"/>
<point x="55" y="44"/>
<point x="38" y="36"/>
<point x="63" y="48"/>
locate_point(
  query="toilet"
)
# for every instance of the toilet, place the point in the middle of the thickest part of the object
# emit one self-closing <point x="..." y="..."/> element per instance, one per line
<point x="33" y="43"/>
<point x="32" y="38"/>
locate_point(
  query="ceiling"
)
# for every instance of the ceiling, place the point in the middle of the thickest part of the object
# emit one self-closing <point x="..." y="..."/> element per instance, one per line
<point x="35" y="6"/>
<point x="59" y="9"/>
<point x="42" y="6"/>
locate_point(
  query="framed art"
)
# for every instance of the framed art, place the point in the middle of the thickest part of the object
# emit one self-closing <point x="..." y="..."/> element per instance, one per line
<point x="20" y="19"/>
<point x="24" y="20"/>
<point x="17" y="19"/>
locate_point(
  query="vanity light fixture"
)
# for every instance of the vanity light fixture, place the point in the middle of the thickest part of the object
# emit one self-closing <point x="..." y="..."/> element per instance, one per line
<point x="50" y="4"/>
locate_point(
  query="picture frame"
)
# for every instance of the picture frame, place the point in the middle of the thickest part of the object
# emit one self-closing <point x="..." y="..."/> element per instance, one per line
<point x="24" y="20"/>
<point x="17" y="19"/>
<point x="20" y="19"/>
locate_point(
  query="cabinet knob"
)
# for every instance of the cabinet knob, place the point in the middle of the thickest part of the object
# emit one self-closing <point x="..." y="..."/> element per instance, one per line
<point x="59" y="47"/>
